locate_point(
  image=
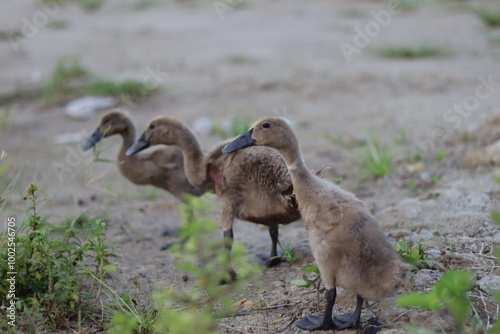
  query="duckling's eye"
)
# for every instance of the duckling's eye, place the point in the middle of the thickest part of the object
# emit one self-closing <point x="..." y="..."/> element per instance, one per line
<point x="106" y="120"/>
<point x="151" y="126"/>
<point x="266" y="125"/>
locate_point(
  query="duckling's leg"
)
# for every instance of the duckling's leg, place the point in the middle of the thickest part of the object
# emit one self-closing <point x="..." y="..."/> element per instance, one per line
<point x="171" y="231"/>
<point x="228" y="244"/>
<point x="273" y="259"/>
<point x="350" y="320"/>
<point x="314" y="322"/>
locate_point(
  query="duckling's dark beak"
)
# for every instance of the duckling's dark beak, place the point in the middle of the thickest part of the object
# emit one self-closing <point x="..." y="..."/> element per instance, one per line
<point x="93" y="139"/>
<point x="139" y="145"/>
<point x="244" y="140"/>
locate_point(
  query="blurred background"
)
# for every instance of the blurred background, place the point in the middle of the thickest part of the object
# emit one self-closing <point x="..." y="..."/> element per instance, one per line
<point x="394" y="100"/>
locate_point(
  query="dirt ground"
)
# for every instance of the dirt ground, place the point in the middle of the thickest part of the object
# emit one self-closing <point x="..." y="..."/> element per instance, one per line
<point x="282" y="58"/>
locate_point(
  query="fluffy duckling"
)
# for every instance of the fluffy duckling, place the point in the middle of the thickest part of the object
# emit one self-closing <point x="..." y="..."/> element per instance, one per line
<point x="348" y="244"/>
<point x="254" y="184"/>
<point x="162" y="168"/>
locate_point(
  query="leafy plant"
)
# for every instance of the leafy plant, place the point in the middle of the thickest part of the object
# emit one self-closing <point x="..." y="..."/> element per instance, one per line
<point x="489" y="16"/>
<point x="48" y="264"/>
<point x="376" y="159"/>
<point x="287" y="252"/>
<point x="440" y="154"/>
<point x="449" y="295"/>
<point x="202" y="258"/>
<point x="306" y="281"/>
<point x="88" y="5"/>
<point x="128" y="316"/>
<point x="4" y="119"/>
<point x="414" y="256"/>
<point x="70" y="79"/>
<point x="67" y="73"/>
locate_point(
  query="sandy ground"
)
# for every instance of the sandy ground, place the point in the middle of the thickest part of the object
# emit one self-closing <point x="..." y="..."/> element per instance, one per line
<point x="279" y="58"/>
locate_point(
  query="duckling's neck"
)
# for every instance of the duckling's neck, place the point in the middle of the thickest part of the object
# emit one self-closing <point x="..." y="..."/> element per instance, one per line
<point x="128" y="136"/>
<point x="194" y="157"/>
<point x="294" y="161"/>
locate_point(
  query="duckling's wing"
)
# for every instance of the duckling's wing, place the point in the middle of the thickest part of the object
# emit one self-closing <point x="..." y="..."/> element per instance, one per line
<point x="165" y="157"/>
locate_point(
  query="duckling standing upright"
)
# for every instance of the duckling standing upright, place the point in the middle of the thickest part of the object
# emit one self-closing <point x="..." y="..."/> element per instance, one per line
<point x="254" y="185"/>
<point x="347" y="242"/>
<point x="162" y="168"/>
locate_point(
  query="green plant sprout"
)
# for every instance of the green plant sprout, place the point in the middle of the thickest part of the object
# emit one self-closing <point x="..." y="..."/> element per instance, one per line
<point x="204" y="259"/>
<point x="376" y="158"/>
<point x="48" y="261"/>
<point x="70" y="79"/>
<point x="415" y="257"/>
<point x="440" y="154"/>
<point x="449" y="295"/>
<point x="306" y="281"/>
<point x="287" y="252"/>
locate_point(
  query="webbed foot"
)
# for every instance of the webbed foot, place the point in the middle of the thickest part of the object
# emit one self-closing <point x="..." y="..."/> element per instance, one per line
<point x="346" y="321"/>
<point x="269" y="261"/>
<point x="171" y="231"/>
<point x="314" y="323"/>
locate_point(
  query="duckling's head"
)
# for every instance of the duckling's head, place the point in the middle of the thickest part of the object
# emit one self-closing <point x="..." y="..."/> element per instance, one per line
<point x="161" y="130"/>
<point x="269" y="131"/>
<point x="113" y="122"/>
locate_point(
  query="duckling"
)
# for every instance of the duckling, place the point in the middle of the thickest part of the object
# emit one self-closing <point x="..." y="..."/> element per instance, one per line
<point x="348" y="244"/>
<point x="162" y="168"/>
<point x="254" y="184"/>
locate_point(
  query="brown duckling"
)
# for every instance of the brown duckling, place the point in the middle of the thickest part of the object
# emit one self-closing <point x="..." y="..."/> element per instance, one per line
<point x="348" y="244"/>
<point x="254" y="184"/>
<point x="162" y="167"/>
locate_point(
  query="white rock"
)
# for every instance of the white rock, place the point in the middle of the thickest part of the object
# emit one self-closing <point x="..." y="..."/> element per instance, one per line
<point x="85" y="107"/>
<point x="202" y="125"/>
<point x="490" y="284"/>
<point x="72" y="137"/>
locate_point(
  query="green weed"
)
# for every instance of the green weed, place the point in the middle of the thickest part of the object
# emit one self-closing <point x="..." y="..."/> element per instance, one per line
<point x="414" y="256"/>
<point x="70" y="79"/>
<point x="410" y="52"/>
<point x="202" y="258"/>
<point x="48" y="264"/>
<point x="440" y="154"/>
<point x="413" y="185"/>
<point x="88" y="5"/>
<point x="66" y="75"/>
<point x="489" y="16"/>
<point x="376" y="159"/>
<point x="4" y="119"/>
<point x="58" y="25"/>
<point x="306" y="281"/>
<point x="239" y="60"/>
<point x="287" y="252"/>
<point x="449" y="295"/>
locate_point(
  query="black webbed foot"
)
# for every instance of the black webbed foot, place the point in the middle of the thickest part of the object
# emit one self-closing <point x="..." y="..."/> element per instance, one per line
<point x="314" y="323"/>
<point x="167" y="245"/>
<point x="269" y="261"/>
<point x="171" y="232"/>
<point x="345" y="321"/>
<point x="232" y="277"/>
